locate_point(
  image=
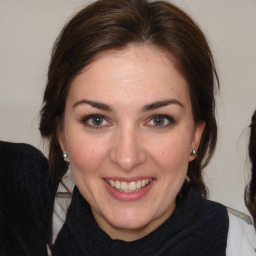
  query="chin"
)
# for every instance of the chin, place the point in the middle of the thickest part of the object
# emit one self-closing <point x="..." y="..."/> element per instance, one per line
<point x="130" y="221"/>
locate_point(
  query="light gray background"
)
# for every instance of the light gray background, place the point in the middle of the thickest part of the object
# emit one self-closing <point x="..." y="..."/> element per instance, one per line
<point x="28" y="29"/>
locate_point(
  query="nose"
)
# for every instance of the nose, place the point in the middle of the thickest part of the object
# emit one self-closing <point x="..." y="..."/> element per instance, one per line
<point x="127" y="149"/>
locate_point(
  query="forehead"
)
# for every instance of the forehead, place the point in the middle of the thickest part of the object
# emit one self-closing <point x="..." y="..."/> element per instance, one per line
<point x="137" y="73"/>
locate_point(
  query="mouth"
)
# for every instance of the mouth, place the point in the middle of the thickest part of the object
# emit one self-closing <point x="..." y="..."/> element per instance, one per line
<point x="128" y="187"/>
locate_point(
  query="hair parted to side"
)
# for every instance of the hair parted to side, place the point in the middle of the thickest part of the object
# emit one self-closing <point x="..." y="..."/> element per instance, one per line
<point x="250" y="199"/>
<point x="116" y="24"/>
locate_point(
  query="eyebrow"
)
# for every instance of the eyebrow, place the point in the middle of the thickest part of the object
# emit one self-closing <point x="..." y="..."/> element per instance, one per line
<point x="94" y="104"/>
<point x="160" y="104"/>
<point x="149" y="107"/>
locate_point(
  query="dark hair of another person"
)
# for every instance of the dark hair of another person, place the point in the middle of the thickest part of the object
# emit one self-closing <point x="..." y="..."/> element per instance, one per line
<point x="114" y="25"/>
<point x="251" y="189"/>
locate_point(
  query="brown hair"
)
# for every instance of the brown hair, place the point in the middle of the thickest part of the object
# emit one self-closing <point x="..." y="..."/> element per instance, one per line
<point x="114" y="24"/>
<point x="251" y="189"/>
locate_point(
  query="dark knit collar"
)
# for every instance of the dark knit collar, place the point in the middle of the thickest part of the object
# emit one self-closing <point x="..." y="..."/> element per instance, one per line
<point x="196" y="227"/>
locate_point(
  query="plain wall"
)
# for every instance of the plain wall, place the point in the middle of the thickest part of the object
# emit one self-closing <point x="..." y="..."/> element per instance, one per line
<point x="29" y="28"/>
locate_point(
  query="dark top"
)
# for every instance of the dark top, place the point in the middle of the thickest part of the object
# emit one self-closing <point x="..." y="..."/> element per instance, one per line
<point x="26" y="200"/>
<point x="197" y="226"/>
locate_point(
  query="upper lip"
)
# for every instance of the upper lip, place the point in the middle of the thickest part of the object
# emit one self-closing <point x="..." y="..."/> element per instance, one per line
<point x="128" y="179"/>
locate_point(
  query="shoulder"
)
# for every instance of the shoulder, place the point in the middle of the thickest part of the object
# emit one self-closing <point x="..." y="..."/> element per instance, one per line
<point x="210" y="210"/>
<point x="24" y="174"/>
<point x="241" y="234"/>
<point x="22" y="167"/>
<point x="20" y="155"/>
<point x="26" y="195"/>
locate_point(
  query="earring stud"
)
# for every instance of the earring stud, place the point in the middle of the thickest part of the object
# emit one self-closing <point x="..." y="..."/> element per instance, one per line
<point x="193" y="152"/>
<point x="65" y="156"/>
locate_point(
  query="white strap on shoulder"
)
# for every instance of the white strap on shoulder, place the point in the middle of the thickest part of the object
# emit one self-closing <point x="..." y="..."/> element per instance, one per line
<point x="240" y="215"/>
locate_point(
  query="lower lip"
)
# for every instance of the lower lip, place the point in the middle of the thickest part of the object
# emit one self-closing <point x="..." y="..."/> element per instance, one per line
<point x="129" y="196"/>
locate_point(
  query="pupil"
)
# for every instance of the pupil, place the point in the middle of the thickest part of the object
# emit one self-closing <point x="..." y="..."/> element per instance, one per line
<point x="97" y="120"/>
<point x="159" y="120"/>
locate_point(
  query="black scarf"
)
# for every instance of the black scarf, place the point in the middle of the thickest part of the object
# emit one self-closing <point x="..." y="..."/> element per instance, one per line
<point x="197" y="227"/>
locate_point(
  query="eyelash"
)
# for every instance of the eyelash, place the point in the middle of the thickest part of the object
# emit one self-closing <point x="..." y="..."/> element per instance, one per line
<point x="103" y="119"/>
<point x="167" y="118"/>
<point x="86" y="120"/>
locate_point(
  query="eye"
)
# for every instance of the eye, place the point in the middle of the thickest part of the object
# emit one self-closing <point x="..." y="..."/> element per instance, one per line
<point x="95" y="121"/>
<point x="161" y="121"/>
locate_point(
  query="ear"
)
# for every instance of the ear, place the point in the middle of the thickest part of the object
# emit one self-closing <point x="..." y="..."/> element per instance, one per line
<point x="198" y="131"/>
<point x="61" y="139"/>
<point x="62" y="142"/>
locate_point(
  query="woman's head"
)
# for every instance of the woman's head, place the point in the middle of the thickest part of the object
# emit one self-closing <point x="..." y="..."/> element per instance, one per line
<point x="251" y="200"/>
<point x="130" y="95"/>
<point x="129" y="131"/>
<point x="113" y="24"/>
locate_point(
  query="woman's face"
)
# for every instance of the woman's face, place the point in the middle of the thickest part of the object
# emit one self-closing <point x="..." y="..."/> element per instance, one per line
<point x="128" y="131"/>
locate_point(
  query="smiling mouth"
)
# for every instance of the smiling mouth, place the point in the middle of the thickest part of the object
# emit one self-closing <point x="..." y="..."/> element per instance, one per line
<point x="128" y="187"/>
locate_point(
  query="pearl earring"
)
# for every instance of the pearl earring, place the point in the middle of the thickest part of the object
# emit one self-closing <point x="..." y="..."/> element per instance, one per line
<point x="65" y="156"/>
<point x="193" y="152"/>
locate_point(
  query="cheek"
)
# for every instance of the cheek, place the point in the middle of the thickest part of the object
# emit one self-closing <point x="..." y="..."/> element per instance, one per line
<point x="86" y="153"/>
<point x="171" y="152"/>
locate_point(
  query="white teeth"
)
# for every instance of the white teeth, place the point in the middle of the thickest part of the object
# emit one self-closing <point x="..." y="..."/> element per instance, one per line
<point x="128" y="187"/>
<point x="112" y="183"/>
<point x="132" y="186"/>
<point x="117" y="184"/>
<point x="124" y="185"/>
<point x="138" y="184"/>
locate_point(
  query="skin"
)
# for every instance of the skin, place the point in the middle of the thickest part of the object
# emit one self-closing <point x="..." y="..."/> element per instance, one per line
<point x="126" y="141"/>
